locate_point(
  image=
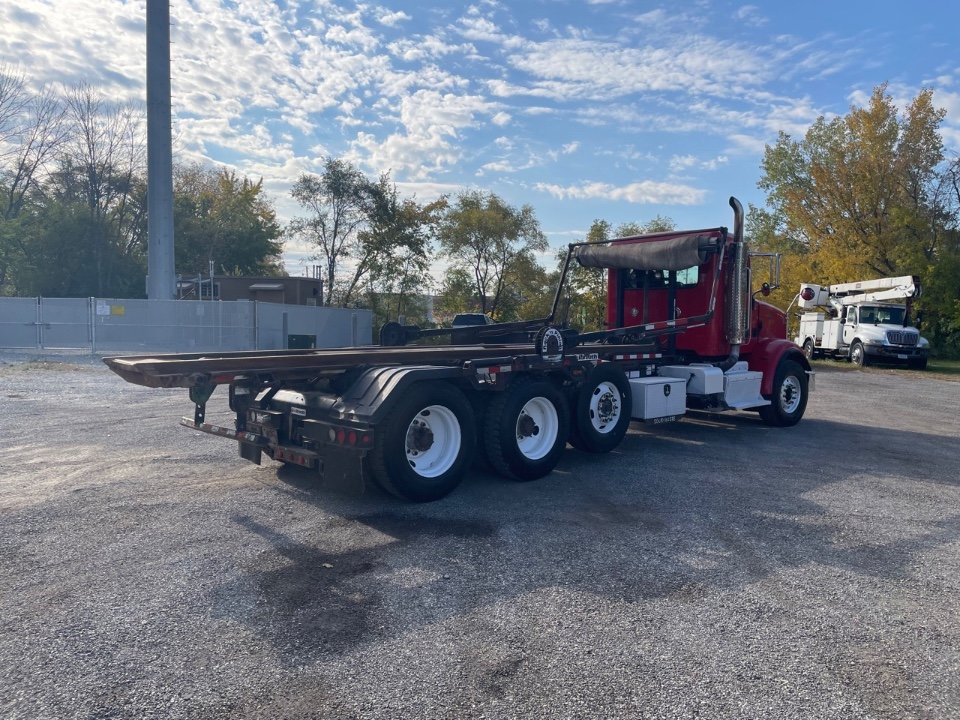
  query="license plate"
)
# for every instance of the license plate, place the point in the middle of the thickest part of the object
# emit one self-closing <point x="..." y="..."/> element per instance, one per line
<point x="902" y="357"/>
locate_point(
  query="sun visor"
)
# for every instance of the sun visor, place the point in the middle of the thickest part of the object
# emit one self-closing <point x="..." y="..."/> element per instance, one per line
<point x="676" y="253"/>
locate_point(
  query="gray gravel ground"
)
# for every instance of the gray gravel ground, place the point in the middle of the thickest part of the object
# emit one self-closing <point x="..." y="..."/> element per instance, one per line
<point x="714" y="568"/>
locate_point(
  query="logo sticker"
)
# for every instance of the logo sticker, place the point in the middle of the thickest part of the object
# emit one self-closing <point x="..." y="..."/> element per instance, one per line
<point x="550" y="344"/>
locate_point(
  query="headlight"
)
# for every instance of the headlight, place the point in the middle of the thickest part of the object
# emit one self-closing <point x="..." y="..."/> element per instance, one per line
<point x="923" y="342"/>
<point x="872" y="341"/>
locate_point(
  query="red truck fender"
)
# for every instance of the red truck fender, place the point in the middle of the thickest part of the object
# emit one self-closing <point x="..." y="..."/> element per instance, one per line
<point x="768" y="354"/>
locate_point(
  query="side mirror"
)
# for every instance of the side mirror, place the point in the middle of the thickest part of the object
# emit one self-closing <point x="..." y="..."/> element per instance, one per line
<point x="764" y="290"/>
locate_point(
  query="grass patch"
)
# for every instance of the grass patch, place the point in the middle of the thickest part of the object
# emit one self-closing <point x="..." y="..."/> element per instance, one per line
<point x="936" y="368"/>
<point x="945" y="367"/>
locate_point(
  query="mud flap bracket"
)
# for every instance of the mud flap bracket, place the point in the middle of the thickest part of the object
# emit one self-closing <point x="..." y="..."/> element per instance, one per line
<point x="199" y="394"/>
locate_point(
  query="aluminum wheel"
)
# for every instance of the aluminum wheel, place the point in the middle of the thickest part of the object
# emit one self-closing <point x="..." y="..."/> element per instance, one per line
<point x="537" y="428"/>
<point x="433" y="441"/>
<point x="790" y="394"/>
<point x="605" y="407"/>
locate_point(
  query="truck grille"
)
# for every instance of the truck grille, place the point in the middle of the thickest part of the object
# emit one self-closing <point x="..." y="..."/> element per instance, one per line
<point x="902" y="338"/>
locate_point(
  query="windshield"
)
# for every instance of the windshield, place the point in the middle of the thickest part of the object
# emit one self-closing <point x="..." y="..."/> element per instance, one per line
<point x="887" y="314"/>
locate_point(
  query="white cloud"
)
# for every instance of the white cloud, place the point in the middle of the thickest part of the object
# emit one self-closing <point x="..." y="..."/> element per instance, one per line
<point x="496" y="166"/>
<point x="750" y="15"/>
<point x="646" y="192"/>
<point x="682" y="162"/>
<point x="481" y="29"/>
<point x="430" y="46"/>
<point x="501" y="119"/>
<point x="715" y="163"/>
<point x="431" y="121"/>
<point x="570" y="147"/>
<point x="570" y="68"/>
<point x="393" y="18"/>
<point x="679" y="163"/>
<point x="742" y="144"/>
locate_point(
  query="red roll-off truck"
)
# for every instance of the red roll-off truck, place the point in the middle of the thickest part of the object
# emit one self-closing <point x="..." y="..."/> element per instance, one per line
<point x="685" y="330"/>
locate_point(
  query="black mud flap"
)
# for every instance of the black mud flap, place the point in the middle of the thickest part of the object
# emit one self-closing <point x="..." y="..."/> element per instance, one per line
<point x="249" y="451"/>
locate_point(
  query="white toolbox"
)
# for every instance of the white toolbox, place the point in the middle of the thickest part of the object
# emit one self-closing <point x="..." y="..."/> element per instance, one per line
<point x="657" y="397"/>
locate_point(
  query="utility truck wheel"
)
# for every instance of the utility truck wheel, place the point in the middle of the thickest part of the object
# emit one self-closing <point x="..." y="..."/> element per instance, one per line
<point x="526" y="429"/>
<point x="808" y="349"/>
<point x="789" y="399"/>
<point x="858" y="355"/>
<point x="426" y="443"/>
<point x="601" y="410"/>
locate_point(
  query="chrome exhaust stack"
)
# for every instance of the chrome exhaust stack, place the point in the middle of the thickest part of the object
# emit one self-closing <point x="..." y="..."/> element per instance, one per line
<point x="738" y="300"/>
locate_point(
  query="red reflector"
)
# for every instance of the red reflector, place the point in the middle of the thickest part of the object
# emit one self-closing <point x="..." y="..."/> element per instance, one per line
<point x="365" y="439"/>
<point x="341" y="435"/>
<point x="352" y="438"/>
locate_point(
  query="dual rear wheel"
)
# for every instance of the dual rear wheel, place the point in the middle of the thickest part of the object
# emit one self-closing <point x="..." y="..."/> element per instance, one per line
<point x="426" y="443"/>
<point x="526" y="429"/>
<point x="429" y="438"/>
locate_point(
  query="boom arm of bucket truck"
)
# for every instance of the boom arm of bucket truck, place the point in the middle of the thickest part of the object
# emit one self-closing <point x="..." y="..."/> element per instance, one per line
<point x="844" y="294"/>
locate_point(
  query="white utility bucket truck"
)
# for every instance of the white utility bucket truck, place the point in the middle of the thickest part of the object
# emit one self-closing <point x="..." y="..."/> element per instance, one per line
<point x="864" y="321"/>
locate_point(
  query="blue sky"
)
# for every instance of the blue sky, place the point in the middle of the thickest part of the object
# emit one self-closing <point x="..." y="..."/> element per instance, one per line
<point x="583" y="109"/>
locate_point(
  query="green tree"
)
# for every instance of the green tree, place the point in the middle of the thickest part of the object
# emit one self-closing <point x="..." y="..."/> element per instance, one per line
<point x="32" y="130"/>
<point x="861" y="196"/>
<point x="226" y="220"/>
<point x="488" y="239"/>
<point x="458" y="293"/>
<point x="396" y="245"/>
<point x="339" y="202"/>
<point x="856" y="191"/>
<point x="529" y="290"/>
<point x="102" y="168"/>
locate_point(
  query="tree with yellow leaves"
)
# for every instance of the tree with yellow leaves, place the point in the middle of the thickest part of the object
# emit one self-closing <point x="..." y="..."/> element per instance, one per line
<point x="866" y="195"/>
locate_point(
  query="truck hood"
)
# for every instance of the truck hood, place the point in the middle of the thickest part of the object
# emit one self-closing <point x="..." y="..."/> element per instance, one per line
<point x="886" y="332"/>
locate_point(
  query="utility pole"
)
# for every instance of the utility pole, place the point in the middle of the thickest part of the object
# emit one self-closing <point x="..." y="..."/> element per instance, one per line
<point x="160" y="275"/>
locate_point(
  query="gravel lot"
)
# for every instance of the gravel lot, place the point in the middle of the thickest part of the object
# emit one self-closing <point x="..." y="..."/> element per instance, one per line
<point x="714" y="568"/>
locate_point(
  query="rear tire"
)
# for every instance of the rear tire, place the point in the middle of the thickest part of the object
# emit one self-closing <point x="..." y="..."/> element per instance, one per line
<point x="426" y="443"/>
<point x="601" y="410"/>
<point x="526" y="429"/>
<point x="789" y="399"/>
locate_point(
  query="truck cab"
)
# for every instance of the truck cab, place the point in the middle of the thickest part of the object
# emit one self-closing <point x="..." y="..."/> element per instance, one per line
<point x="879" y="332"/>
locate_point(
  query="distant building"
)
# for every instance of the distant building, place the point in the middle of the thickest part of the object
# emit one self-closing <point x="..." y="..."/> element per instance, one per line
<point x="286" y="290"/>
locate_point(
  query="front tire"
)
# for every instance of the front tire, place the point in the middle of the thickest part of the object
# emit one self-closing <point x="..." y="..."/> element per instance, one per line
<point x="426" y="443"/>
<point x="858" y="356"/>
<point x="789" y="399"/>
<point x="601" y="410"/>
<point x="808" y="349"/>
<point x="526" y="429"/>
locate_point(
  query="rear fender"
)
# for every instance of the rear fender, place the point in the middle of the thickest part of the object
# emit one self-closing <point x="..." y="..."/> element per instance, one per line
<point x="767" y="356"/>
<point x="373" y="394"/>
